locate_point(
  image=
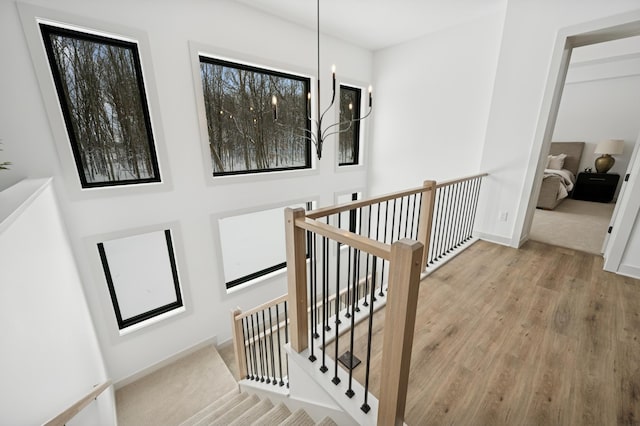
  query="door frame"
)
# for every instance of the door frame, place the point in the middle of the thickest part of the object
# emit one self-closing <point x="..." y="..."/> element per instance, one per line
<point x="598" y="31"/>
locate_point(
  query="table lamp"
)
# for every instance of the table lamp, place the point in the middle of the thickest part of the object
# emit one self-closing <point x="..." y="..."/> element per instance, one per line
<point x="607" y="149"/>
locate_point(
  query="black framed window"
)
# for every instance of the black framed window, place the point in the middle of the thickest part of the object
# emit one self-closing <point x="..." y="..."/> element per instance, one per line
<point x="141" y="275"/>
<point x="248" y="132"/>
<point x="104" y="104"/>
<point x="349" y="141"/>
<point x="253" y="244"/>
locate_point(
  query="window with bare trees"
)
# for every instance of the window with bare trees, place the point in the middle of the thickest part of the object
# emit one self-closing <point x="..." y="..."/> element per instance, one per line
<point x="257" y="119"/>
<point x="349" y="141"/>
<point x="101" y="93"/>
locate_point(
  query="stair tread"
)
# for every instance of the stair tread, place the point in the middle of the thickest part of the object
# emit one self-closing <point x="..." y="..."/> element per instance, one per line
<point x="327" y="421"/>
<point x="298" y="418"/>
<point x="274" y="417"/>
<point x="216" y="410"/>
<point x="253" y="414"/>
<point x="235" y="411"/>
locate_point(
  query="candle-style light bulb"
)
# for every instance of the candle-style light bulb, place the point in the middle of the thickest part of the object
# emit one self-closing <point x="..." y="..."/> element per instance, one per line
<point x="333" y="72"/>
<point x="350" y="106"/>
<point x="274" y="105"/>
<point x="370" y="96"/>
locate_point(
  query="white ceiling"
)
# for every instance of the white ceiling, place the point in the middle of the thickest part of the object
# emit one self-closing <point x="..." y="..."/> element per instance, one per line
<point x="376" y="24"/>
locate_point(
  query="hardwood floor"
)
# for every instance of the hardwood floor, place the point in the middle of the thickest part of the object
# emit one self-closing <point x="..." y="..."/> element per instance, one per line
<point x="535" y="336"/>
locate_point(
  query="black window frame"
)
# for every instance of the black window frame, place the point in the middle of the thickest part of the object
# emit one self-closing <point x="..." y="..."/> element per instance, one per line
<point x="262" y="272"/>
<point x="46" y="31"/>
<point x="212" y="60"/>
<point x="355" y="131"/>
<point x="128" y="322"/>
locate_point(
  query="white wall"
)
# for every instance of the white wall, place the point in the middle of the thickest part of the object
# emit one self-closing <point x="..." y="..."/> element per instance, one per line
<point x="187" y="200"/>
<point x="601" y="100"/>
<point x="528" y="41"/>
<point x="50" y="356"/>
<point x="432" y="103"/>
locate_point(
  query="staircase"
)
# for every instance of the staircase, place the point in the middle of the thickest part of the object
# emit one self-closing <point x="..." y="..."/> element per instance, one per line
<point x="242" y="409"/>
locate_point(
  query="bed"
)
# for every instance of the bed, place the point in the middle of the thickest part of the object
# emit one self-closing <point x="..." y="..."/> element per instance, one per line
<point x="560" y="173"/>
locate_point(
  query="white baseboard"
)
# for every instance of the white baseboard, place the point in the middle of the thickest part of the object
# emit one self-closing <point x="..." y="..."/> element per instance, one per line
<point x="497" y="239"/>
<point x="158" y="365"/>
<point x="629" y="271"/>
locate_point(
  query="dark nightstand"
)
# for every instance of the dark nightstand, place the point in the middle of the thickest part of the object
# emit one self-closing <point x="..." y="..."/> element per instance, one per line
<point x="598" y="187"/>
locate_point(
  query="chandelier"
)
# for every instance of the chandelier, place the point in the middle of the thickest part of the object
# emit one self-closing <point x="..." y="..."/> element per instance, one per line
<point x="320" y="130"/>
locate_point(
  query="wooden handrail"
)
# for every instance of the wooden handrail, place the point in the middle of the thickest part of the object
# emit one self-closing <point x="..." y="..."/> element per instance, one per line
<point x="351" y="205"/>
<point x="343" y="236"/>
<point x="264" y="306"/>
<point x="454" y="181"/>
<point x="327" y="211"/>
<point x="62" y="418"/>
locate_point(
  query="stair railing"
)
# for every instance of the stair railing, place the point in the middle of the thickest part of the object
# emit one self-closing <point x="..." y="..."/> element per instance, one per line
<point x="259" y="338"/>
<point x="343" y="263"/>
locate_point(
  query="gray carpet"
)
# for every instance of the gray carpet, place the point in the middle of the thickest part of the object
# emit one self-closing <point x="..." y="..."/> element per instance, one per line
<point x="176" y="392"/>
<point x="574" y="224"/>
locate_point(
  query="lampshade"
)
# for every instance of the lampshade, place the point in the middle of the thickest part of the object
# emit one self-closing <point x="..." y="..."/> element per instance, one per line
<point x="610" y="146"/>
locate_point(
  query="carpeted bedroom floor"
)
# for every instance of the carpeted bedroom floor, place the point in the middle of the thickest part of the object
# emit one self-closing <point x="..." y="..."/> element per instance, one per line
<point x="575" y="224"/>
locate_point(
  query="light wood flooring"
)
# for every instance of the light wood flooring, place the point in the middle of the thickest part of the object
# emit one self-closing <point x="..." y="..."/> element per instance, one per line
<point x="535" y="336"/>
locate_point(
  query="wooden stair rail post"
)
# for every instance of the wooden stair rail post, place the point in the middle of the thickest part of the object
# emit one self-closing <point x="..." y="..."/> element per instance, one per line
<point x="400" y="318"/>
<point x="239" y="344"/>
<point x="297" y="279"/>
<point x="426" y="218"/>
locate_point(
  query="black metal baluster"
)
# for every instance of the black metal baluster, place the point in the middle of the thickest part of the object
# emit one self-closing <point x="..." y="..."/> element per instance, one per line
<point x="281" y="383"/>
<point x="323" y="367"/>
<point x="460" y="218"/>
<point x="456" y="214"/>
<point x="264" y="344"/>
<point x="336" y="379"/>
<point x="366" y="274"/>
<point x="325" y="283"/>
<point x="261" y="359"/>
<point x="365" y="407"/>
<point x="250" y="359"/>
<point x="273" y="356"/>
<point x="377" y="234"/>
<point x="403" y="216"/>
<point x="413" y="212"/>
<point x="450" y="218"/>
<point x="393" y="220"/>
<point x="348" y="314"/>
<point x="384" y="240"/>
<point x="418" y="220"/>
<point x="465" y="215"/>
<point x="314" y="291"/>
<point x="350" y="391"/>
<point x="436" y="226"/>
<point x="356" y="270"/>
<point x="471" y="186"/>
<point x="475" y="204"/>
<point x="257" y="353"/>
<point x="286" y="337"/>
<point x="443" y="218"/>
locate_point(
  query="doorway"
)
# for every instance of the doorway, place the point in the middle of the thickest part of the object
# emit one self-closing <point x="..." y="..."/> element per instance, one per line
<point x="599" y="102"/>
<point x="592" y="33"/>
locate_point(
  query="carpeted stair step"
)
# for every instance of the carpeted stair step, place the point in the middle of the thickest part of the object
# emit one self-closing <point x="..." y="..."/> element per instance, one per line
<point x="327" y="421"/>
<point x="235" y="412"/>
<point x="299" y="418"/>
<point x="253" y="414"/>
<point x="220" y="410"/>
<point x="274" y="417"/>
<point x="206" y="411"/>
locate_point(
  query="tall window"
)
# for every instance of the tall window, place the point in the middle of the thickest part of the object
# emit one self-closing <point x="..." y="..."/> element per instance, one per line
<point x="248" y="133"/>
<point x="349" y="142"/>
<point x="101" y="93"/>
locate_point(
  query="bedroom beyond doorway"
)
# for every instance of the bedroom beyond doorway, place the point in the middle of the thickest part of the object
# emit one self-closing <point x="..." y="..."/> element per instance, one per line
<point x="576" y="224"/>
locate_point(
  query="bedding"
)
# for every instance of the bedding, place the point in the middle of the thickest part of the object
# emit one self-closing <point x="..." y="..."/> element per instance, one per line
<point x="557" y="183"/>
<point x="567" y="180"/>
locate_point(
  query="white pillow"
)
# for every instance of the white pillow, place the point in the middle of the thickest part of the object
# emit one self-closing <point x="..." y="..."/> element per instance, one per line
<point x="556" y="162"/>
